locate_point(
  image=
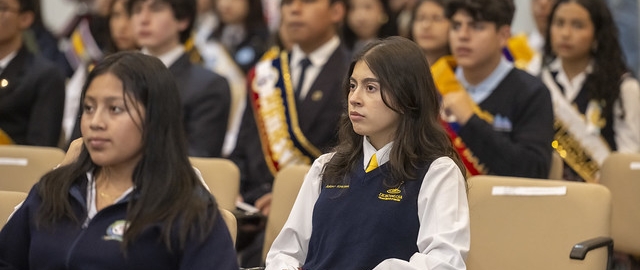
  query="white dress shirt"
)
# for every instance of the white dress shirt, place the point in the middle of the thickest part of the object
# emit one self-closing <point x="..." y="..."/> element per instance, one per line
<point x="318" y="58"/>
<point x="4" y="62"/>
<point x="443" y="212"/>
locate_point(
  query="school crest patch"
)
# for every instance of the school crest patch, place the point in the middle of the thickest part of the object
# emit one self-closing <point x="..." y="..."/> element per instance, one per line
<point x="115" y="231"/>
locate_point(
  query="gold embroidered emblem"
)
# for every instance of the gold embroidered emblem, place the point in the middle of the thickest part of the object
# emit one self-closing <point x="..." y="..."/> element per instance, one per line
<point x="393" y="191"/>
<point x="389" y="197"/>
<point x="4" y="83"/>
<point x="393" y="194"/>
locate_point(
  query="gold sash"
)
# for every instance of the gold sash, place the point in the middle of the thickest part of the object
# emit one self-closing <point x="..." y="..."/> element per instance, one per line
<point x="519" y="48"/>
<point x="216" y="58"/>
<point x="583" y="151"/>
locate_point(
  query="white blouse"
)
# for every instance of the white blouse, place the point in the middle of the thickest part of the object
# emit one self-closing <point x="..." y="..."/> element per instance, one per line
<point x="443" y="212"/>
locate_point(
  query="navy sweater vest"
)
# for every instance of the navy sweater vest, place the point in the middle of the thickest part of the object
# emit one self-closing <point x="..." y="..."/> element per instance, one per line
<point x="361" y="223"/>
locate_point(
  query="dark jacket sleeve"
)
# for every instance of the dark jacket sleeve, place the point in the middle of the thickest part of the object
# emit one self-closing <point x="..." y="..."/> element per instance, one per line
<point x="48" y="108"/>
<point x="216" y="252"/>
<point x="208" y="116"/>
<point x="15" y="236"/>
<point x="255" y="177"/>
<point x="526" y="150"/>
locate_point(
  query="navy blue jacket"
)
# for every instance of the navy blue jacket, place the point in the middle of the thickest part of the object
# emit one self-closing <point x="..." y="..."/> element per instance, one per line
<point x="96" y="244"/>
<point x="519" y="141"/>
<point x="31" y="100"/>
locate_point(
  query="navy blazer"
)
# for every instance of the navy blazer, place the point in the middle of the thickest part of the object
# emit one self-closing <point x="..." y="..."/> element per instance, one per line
<point x="318" y="117"/>
<point x="206" y="101"/>
<point x="32" y="100"/>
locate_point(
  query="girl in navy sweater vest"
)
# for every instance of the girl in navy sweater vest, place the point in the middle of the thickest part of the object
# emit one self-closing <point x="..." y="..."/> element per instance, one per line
<point x="392" y="195"/>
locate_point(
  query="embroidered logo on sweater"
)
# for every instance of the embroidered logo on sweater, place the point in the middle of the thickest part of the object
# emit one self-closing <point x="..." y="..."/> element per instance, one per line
<point x="392" y="194"/>
<point x="116" y="230"/>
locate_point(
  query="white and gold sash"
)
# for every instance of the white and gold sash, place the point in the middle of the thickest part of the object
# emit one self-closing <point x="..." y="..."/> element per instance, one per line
<point x="274" y="106"/>
<point x="577" y="142"/>
<point x="216" y="58"/>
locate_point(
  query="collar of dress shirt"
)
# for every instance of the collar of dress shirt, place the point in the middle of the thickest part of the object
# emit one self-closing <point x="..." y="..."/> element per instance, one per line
<point x="571" y="87"/>
<point x="382" y="155"/>
<point x="91" y="195"/>
<point x="482" y="90"/>
<point x="4" y="62"/>
<point x="169" y="57"/>
<point x="318" y="57"/>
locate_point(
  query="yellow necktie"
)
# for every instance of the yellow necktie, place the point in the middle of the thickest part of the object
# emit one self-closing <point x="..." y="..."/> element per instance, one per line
<point x="373" y="163"/>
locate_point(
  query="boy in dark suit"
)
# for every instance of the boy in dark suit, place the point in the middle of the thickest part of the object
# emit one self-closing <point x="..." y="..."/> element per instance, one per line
<point x="31" y="87"/>
<point x="314" y="109"/>
<point x="504" y="115"/>
<point x="295" y="99"/>
<point x="161" y="27"/>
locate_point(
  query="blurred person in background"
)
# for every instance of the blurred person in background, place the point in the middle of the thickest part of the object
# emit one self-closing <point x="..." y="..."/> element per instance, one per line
<point x="31" y="87"/>
<point x="161" y="28"/>
<point x="233" y="48"/>
<point x="595" y="95"/>
<point x="367" y="20"/>
<point x="121" y="38"/>
<point x="295" y="101"/>
<point x="430" y="29"/>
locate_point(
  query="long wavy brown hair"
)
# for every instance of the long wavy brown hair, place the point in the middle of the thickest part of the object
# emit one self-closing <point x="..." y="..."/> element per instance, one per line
<point x="408" y="89"/>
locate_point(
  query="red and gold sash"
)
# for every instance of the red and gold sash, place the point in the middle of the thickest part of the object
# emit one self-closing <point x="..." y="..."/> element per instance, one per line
<point x="446" y="82"/>
<point x="274" y="105"/>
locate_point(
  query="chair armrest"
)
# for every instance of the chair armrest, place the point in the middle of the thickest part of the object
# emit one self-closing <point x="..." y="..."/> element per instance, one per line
<point x="579" y="250"/>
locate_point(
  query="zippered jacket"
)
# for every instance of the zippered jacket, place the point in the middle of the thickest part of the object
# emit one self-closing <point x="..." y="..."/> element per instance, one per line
<point x="96" y="243"/>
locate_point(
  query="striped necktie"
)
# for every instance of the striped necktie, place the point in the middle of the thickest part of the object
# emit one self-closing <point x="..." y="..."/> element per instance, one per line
<point x="373" y="163"/>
